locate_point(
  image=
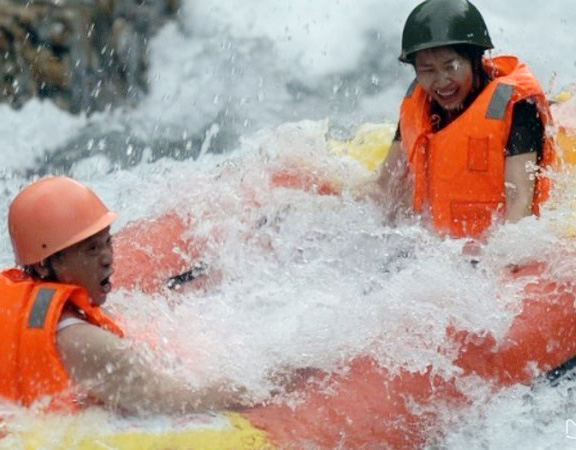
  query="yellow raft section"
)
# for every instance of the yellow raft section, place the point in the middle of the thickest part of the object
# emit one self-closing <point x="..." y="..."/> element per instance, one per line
<point x="565" y="109"/>
<point x="371" y="143"/>
<point x="98" y="431"/>
<point x="369" y="146"/>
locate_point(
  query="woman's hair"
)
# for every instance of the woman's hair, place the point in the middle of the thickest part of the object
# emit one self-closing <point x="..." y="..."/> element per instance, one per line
<point x="474" y="54"/>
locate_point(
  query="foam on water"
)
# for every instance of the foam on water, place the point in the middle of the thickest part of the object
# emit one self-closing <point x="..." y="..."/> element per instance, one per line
<point x="26" y="135"/>
<point x="307" y="280"/>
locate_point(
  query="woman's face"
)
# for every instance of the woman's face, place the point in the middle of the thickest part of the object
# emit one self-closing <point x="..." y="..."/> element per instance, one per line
<point x="445" y="75"/>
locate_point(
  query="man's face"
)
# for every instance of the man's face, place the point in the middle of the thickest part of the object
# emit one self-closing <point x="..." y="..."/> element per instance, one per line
<point x="88" y="264"/>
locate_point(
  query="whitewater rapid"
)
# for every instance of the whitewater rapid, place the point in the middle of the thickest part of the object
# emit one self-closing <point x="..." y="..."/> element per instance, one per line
<point x="239" y="88"/>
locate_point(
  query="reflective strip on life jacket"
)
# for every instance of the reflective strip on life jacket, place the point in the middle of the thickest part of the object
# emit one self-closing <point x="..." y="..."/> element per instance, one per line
<point x="499" y="103"/>
<point x="37" y="317"/>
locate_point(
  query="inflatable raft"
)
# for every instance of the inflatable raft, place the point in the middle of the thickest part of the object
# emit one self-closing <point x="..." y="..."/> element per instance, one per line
<point x="367" y="406"/>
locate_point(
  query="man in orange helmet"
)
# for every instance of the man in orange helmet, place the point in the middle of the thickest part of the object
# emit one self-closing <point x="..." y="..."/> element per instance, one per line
<point x="58" y="343"/>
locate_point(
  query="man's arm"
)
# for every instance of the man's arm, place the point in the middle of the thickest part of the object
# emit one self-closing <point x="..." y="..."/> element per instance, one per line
<point x="114" y="373"/>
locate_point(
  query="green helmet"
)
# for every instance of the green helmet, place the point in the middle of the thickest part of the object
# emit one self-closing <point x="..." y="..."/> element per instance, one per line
<point x="437" y="23"/>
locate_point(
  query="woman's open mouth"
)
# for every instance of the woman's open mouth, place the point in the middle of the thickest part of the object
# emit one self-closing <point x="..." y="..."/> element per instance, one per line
<point x="447" y="96"/>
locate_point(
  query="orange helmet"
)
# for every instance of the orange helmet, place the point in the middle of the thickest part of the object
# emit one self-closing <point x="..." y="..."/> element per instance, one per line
<point x="51" y="215"/>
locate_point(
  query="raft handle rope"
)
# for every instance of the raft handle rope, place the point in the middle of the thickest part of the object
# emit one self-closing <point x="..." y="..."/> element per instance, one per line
<point x="563" y="372"/>
<point x="200" y="269"/>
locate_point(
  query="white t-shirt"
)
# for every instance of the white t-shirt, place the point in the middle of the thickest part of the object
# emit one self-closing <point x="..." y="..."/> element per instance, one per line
<point x="69" y="321"/>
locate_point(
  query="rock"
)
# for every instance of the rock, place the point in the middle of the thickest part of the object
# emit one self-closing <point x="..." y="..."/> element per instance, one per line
<point x="83" y="55"/>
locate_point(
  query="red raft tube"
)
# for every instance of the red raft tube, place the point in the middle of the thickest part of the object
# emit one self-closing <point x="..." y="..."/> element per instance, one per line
<point x="369" y="406"/>
<point x="177" y="253"/>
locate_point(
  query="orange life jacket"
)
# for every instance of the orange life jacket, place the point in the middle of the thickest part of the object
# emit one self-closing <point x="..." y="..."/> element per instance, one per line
<point x="30" y="365"/>
<point x="459" y="171"/>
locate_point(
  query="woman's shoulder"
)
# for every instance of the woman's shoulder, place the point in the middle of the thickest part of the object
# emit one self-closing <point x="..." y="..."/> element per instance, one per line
<point x="527" y="130"/>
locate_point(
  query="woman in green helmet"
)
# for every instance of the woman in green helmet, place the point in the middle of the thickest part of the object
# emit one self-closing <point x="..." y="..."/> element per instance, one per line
<point x="471" y="141"/>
